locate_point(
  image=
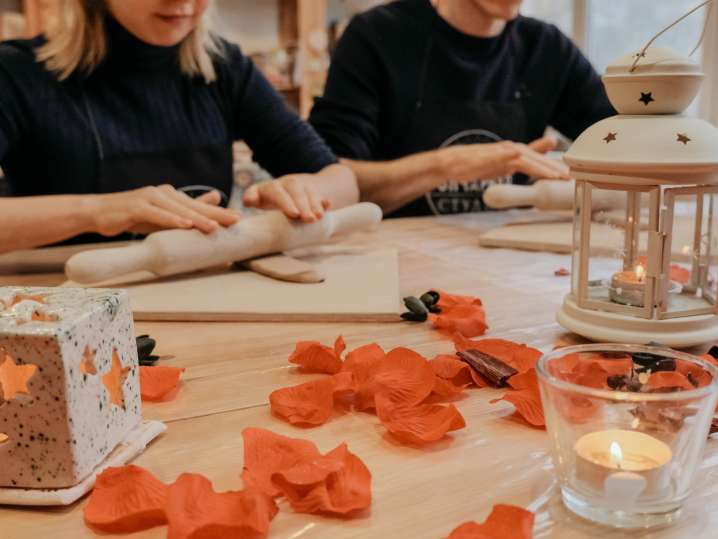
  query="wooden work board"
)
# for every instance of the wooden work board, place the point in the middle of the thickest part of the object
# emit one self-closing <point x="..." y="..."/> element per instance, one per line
<point x="361" y="286"/>
<point x="556" y="236"/>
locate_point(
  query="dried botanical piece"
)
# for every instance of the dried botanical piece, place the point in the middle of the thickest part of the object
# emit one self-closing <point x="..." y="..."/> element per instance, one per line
<point x="494" y="371"/>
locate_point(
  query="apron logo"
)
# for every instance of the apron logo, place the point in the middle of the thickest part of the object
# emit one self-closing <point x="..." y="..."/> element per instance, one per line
<point x="455" y="197"/>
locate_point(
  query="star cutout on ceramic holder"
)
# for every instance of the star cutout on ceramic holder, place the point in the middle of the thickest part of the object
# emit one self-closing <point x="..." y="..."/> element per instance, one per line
<point x="646" y="98"/>
<point x="87" y="365"/>
<point x="114" y="380"/>
<point x="14" y="378"/>
<point x="682" y="137"/>
<point x="610" y="137"/>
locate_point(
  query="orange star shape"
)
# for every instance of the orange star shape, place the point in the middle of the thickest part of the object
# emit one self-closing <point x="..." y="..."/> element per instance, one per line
<point x="87" y="365"/>
<point x="14" y="378"/>
<point x="114" y="380"/>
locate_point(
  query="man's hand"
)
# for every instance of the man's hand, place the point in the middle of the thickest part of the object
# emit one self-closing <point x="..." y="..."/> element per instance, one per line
<point x="463" y="163"/>
<point x="294" y="195"/>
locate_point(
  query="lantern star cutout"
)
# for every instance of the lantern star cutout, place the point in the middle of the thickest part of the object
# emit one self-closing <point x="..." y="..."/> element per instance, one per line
<point x="114" y="380"/>
<point x="682" y="137"/>
<point x="646" y="98"/>
<point x="14" y="378"/>
<point x="87" y="365"/>
<point x="610" y="137"/>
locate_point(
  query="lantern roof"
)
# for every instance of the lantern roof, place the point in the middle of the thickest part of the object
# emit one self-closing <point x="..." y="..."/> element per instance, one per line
<point x="649" y="138"/>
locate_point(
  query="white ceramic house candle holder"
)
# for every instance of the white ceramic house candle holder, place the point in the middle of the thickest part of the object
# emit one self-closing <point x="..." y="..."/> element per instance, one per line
<point x="69" y="391"/>
<point x="666" y="166"/>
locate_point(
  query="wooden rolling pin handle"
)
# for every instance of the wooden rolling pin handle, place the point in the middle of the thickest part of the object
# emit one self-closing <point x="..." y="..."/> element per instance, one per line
<point x="505" y="196"/>
<point x="93" y="267"/>
<point x="353" y="218"/>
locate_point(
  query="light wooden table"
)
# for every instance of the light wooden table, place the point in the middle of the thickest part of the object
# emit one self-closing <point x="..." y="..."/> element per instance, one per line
<point x="418" y="493"/>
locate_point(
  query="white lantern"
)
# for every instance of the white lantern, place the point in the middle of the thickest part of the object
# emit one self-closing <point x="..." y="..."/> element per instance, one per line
<point x="661" y="285"/>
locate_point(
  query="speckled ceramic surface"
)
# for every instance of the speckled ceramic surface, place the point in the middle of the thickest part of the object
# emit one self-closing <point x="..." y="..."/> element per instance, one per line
<point x="69" y="386"/>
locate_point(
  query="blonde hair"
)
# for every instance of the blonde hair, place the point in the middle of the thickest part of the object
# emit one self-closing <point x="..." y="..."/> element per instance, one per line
<point x="77" y="41"/>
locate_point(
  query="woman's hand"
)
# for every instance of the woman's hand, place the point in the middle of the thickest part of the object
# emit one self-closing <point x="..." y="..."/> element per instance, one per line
<point x="150" y="209"/>
<point x="463" y="163"/>
<point x="295" y="195"/>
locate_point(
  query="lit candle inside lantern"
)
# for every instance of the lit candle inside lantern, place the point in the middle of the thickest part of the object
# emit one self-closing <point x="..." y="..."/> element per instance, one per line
<point x="622" y="464"/>
<point x="628" y="287"/>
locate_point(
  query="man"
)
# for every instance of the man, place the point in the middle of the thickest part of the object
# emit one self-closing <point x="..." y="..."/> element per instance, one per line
<point x="429" y="102"/>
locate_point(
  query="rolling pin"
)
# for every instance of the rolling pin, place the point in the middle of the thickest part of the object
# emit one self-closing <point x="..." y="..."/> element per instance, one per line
<point x="549" y="195"/>
<point x="170" y="252"/>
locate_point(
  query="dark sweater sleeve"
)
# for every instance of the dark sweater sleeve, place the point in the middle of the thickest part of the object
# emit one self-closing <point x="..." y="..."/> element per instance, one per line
<point x="582" y="100"/>
<point x="348" y="115"/>
<point x="10" y="106"/>
<point x="282" y="143"/>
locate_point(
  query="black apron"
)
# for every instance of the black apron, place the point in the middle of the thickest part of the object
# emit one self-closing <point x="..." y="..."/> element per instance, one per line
<point x="184" y="168"/>
<point x="438" y="122"/>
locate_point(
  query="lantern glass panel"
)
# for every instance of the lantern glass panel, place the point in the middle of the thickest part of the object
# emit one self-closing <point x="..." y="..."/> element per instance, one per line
<point x="688" y="281"/>
<point x="616" y="269"/>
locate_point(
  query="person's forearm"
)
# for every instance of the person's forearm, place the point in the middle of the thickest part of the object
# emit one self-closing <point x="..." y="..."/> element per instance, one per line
<point x="392" y="184"/>
<point x="338" y="185"/>
<point x="27" y="222"/>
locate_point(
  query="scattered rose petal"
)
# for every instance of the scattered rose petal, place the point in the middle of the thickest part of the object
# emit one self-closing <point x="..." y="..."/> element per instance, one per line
<point x="452" y="300"/>
<point x="420" y="424"/>
<point x="310" y="403"/>
<point x="362" y="363"/>
<point x="127" y="499"/>
<point x="526" y="397"/>
<point x="504" y="522"/>
<point x="445" y="389"/>
<point x="451" y="368"/>
<point x="668" y="380"/>
<point x="312" y="356"/>
<point x="467" y="320"/>
<point x="158" y="382"/>
<point x="403" y="378"/>
<point x="195" y="511"/>
<point x="266" y="452"/>
<point x="337" y="483"/>
<point x="562" y="272"/>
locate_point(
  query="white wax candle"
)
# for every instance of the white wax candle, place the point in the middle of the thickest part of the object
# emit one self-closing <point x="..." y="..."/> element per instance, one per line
<point x="622" y="464"/>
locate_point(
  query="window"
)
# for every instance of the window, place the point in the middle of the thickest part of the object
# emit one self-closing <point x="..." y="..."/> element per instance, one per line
<point x="608" y="29"/>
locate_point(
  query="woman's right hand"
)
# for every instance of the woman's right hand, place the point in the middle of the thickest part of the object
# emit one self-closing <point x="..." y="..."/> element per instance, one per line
<point x="149" y="209"/>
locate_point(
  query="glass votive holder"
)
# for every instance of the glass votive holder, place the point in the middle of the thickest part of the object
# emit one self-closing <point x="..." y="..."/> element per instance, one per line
<point x="628" y="425"/>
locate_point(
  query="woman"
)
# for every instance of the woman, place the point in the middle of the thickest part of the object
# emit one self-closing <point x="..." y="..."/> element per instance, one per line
<point x="432" y="101"/>
<point x="124" y="103"/>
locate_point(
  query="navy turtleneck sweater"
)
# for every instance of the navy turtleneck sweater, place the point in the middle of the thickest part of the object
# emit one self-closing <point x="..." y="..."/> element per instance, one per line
<point x="141" y="104"/>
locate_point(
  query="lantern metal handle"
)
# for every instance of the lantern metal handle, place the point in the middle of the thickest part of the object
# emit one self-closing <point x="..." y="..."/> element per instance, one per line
<point x="642" y="53"/>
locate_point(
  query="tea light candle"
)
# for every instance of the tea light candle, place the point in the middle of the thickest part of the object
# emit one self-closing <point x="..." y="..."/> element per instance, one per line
<point x="622" y="464"/>
<point x="628" y="287"/>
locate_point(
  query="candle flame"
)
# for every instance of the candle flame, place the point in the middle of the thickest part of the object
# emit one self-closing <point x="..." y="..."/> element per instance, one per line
<point x="616" y="454"/>
<point x="640" y="272"/>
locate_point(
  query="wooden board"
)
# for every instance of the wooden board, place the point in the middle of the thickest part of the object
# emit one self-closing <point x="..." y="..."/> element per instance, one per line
<point x="360" y="286"/>
<point x="606" y="239"/>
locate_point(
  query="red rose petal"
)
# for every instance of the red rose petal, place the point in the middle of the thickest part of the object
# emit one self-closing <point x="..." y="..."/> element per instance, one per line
<point x="127" y="499"/>
<point x="504" y="522"/>
<point x="266" y="452"/>
<point x="195" y="511"/>
<point x="158" y="382"/>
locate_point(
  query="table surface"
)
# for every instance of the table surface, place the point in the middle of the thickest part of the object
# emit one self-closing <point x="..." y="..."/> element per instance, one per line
<point x="418" y="493"/>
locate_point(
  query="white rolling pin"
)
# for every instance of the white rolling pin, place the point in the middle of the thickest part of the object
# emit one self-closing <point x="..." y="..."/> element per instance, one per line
<point x="548" y="195"/>
<point x="170" y="252"/>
